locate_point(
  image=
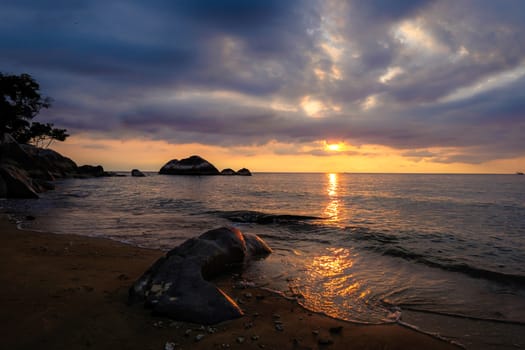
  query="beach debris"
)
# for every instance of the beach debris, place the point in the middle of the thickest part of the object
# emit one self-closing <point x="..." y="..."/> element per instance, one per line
<point x="123" y="277"/>
<point x="170" y="345"/>
<point x="176" y="325"/>
<point x="315" y="332"/>
<point x="211" y="330"/>
<point x="177" y="285"/>
<point x="240" y="340"/>
<point x="395" y="314"/>
<point x="248" y="325"/>
<point x="187" y="332"/>
<point x="255" y="337"/>
<point x="225" y="345"/>
<point x="276" y="316"/>
<point x="325" y="341"/>
<point x="248" y="295"/>
<point x="279" y="327"/>
<point x="199" y="337"/>
<point x="158" y="324"/>
<point x="243" y="284"/>
<point x="336" y="330"/>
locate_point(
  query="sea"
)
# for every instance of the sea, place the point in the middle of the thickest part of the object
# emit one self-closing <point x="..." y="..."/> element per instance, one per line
<point x="443" y="254"/>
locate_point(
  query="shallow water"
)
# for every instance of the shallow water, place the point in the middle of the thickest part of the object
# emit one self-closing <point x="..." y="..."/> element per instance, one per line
<point x="438" y="244"/>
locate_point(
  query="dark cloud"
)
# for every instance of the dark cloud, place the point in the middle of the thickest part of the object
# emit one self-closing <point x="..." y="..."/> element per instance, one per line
<point x="236" y="72"/>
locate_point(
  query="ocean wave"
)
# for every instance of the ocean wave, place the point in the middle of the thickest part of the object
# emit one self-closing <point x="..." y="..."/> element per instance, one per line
<point x="256" y="217"/>
<point x="472" y="271"/>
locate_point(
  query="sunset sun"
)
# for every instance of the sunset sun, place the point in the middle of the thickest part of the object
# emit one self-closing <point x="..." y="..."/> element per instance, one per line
<point x="334" y="147"/>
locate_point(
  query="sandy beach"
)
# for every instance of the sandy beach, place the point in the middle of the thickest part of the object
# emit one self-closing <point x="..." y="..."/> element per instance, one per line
<point x="70" y="292"/>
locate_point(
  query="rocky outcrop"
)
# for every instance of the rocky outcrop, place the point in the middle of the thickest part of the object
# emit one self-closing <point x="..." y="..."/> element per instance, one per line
<point x="193" y="165"/>
<point x="244" y="172"/>
<point x="228" y="172"/>
<point x="137" y="173"/>
<point x="16" y="183"/>
<point x="26" y="170"/>
<point x="178" y="286"/>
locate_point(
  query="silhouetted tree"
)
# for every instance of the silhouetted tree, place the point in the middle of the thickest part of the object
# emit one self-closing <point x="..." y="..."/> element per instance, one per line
<point x="20" y="102"/>
<point x="42" y="135"/>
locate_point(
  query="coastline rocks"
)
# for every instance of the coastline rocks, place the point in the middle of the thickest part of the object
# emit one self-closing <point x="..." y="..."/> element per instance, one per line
<point x="244" y="172"/>
<point x="193" y="165"/>
<point x="137" y="173"/>
<point x="91" y="171"/>
<point x="26" y="170"/>
<point x="177" y="285"/>
<point x="228" y="172"/>
<point x="16" y="183"/>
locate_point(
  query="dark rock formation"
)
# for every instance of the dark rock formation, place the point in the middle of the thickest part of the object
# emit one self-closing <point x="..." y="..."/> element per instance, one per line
<point x="16" y="183"/>
<point x="137" y="173"/>
<point x="193" y="165"/>
<point x="249" y="216"/>
<point x="228" y="172"/>
<point x="26" y="170"/>
<point x="244" y="172"/>
<point x="91" y="171"/>
<point x="177" y="284"/>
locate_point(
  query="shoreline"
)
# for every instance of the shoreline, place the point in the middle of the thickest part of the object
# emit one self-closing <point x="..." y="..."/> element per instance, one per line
<point x="69" y="291"/>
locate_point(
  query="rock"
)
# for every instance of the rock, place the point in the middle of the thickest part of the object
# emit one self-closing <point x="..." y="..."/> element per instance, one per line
<point x="336" y="330"/>
<point x="27" y="170"/>
<point x="91" y="171"/>
<point x="325" y="341"/>
<point x="16" y="183"/>
<point x="193" y="165"/>
<point x="137" y="173"/>
<point x="177" y="284"/>
<point x="228" y="171"/>
<point x="244" y="172"/>
<point x="249" y="216"/>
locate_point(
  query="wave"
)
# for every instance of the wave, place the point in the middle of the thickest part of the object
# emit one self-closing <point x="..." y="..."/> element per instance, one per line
<point x="256" y="217"/>
<point x="472" y="271"/>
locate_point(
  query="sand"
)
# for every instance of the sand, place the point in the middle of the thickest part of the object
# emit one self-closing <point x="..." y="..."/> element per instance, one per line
<point x="70" y="292"/>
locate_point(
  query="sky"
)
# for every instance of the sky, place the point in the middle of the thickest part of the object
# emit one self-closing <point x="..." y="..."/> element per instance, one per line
<point x="323" y="86"/>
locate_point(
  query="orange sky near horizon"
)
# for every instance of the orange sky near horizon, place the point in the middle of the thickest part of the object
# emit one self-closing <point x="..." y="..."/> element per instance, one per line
<point x="150" y="155"/>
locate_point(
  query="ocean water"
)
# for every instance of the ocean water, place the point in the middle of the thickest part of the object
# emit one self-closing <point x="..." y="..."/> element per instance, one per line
<point x="445" y="253"/>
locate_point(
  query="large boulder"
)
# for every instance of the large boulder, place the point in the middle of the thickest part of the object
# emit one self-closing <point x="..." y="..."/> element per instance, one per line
<point x="16" y="183"/>
<point x="91" y="171"/>
<point x="193" y="165"/>
<point x="177" y="285"/>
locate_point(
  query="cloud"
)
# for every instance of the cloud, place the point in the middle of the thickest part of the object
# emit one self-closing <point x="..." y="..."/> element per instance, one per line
<point x="410" y="75"/>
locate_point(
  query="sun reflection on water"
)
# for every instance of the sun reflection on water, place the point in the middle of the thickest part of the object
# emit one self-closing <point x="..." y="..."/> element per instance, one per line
<point x="330" y="280"/>
<point x="332" y="209"/>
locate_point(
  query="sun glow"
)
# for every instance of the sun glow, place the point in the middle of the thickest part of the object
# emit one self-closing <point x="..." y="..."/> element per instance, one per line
<point x="334" y="147"/>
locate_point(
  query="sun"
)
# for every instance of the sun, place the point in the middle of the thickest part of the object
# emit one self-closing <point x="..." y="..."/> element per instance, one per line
<point x="333" y="147"/>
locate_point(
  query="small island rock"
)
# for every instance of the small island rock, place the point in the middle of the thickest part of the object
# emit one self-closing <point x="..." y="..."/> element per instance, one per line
<point x="228" y="171"/>
<point x="193" y="165"/>
<point x="244" y="172"/>
<point x="137" y="173"/>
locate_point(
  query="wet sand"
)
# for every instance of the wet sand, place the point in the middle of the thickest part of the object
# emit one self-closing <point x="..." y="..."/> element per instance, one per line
<point x="70" y="292"/>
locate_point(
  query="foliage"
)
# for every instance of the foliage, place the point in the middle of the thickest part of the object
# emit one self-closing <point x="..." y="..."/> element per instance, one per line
<point x="20" y="102"/>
